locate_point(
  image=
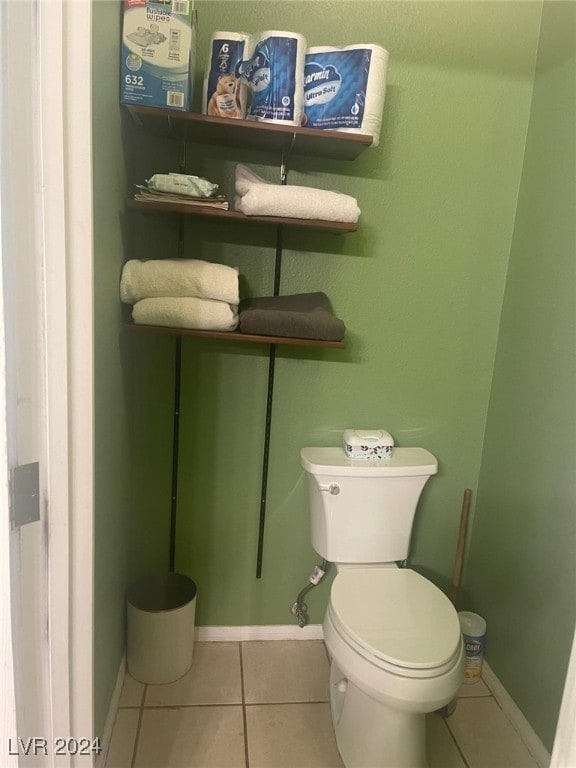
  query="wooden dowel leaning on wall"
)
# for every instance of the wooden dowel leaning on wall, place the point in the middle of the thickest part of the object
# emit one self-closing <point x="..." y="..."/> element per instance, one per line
<point x="457" y="573"/>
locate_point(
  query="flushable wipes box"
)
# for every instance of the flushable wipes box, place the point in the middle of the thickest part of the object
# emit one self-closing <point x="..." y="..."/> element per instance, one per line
<point x="158" y="52"/>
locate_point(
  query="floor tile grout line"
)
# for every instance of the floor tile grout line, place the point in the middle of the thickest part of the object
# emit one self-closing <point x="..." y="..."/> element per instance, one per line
<point x="128" y="707"/>
<point x="244" y="717"/>
<point x="208" y="705"/>
<point x="511" y="722"/>
<point x="139" y="726"/>
<point x="453" y="735"/>
<point x="282" y="703"/>
<point x="458" y="748"/>
<point x="455" y="740"/>
<point x="477" y="696"/>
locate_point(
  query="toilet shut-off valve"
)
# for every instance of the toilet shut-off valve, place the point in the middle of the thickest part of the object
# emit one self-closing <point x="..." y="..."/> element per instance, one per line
<point x="299" y="608"/>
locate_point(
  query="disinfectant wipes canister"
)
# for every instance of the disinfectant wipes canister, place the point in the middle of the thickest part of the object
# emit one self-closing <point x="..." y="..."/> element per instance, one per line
<point x="474" y="632"/>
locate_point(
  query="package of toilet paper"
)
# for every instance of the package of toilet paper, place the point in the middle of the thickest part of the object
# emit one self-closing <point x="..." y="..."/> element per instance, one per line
<point x="158" y="52"/>
<point x="225" y="94"/>
<point x="275" y="75"/>
<point x="344" y="88"/>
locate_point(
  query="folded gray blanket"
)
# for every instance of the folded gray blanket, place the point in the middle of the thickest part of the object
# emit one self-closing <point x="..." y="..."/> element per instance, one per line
<point x="301" y="316"/>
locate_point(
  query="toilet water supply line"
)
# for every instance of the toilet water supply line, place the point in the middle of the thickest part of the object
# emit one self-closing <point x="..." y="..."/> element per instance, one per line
<point x="299" y="608"/>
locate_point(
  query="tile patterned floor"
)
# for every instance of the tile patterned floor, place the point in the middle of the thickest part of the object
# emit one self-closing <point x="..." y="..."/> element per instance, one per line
<point x="265" y="705"/>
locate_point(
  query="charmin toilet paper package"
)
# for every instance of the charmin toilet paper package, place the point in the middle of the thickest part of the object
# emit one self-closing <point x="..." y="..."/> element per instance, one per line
<point x="344" y="88"/>
<point x="225" y="94"/>
<point x="275" y="75"/>
<point x="158" y="50"/>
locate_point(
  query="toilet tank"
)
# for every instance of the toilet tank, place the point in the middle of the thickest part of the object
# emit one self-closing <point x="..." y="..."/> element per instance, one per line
<point x="362" y="512"/>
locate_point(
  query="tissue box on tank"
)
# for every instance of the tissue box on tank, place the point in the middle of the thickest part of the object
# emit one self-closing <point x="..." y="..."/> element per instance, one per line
<point x="158" y="53"/>
<point x="368" y="444"/>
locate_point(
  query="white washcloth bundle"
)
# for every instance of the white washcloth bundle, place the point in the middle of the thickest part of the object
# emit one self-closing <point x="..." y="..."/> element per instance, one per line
<point x="186" y="312"/>
<point x="178" y="277"/>
<point x="258" y="197"/>
<point x="181" y="293"/>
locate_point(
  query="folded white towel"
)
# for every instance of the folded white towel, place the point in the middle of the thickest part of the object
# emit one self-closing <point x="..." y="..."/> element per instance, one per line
<point x="246" y="178"/>
<point x="186" y="312"/>
<point x="178" y="277"/>
<point x="257" y="197"/>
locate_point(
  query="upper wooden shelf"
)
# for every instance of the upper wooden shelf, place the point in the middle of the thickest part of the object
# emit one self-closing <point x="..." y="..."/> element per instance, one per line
<point x="234" y="336"/>
<point x="250" y="134"/>
<point x="217" y="213"/>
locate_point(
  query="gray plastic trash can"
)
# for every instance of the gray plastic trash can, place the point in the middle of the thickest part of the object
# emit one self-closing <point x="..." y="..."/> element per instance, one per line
<point x="161" y="612"/>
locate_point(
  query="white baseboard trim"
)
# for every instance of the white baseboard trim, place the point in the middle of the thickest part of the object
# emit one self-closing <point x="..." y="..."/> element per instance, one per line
<point x="260" y="632"/>
<point x="514" y="714"/>
<point x="106" y="735"/>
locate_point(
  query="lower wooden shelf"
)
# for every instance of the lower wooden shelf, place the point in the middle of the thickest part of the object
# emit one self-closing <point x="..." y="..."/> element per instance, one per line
<point x="234" y="336"/>
<point x="187" y="209"/>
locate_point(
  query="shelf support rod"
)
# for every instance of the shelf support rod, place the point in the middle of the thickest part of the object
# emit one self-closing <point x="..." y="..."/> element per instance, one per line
<point x="265" y="459"/>
<point x="177" y="388"/>
<point x="271" y="370"/>
<point x="268" y="421"/>
<point x="175" y="450"/>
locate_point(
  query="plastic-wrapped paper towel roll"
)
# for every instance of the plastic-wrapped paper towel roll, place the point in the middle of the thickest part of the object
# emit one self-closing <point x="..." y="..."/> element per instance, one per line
<point x="275" y="75"/>
<point x="344" y="88"/>
<point x="225" y="95"/>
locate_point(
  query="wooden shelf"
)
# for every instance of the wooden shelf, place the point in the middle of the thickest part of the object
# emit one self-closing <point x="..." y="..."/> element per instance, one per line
<point x="234" y="336"/>
<point x="250" y="134"/>
<point x="217" y="213"/>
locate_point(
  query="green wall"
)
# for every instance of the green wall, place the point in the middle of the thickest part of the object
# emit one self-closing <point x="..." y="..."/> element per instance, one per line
<point x="112" y="360"/>
<point x="420" y="286"/>
<point x="522" y="569"/>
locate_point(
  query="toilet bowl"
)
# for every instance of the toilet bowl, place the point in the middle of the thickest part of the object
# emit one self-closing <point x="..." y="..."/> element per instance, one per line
<point x="393" y="637"/>
<point x="396" y="654"/>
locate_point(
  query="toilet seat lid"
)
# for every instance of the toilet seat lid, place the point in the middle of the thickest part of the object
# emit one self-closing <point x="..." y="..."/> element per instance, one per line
<point x="396" y="615"/>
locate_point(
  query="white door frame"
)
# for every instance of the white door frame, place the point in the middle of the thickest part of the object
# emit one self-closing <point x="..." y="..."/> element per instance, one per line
<point x="564" y="750"/>
<point x="66" y="72"/>
<point x="8" y="698"/>
<point x="62" y="78"/>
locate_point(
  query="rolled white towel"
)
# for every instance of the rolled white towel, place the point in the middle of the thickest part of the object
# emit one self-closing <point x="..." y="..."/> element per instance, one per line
<point x="246" y="178"/>
<point x="178" y="277"/>
<point x="186" y="312"/>
<point x="258" y="197"/>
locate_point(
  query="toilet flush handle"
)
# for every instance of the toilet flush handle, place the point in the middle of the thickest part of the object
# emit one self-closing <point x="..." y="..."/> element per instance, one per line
<point x="332" y="488"/>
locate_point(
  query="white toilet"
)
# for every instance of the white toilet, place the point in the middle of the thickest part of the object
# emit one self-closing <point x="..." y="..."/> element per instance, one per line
<point x="393" y="637"/>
